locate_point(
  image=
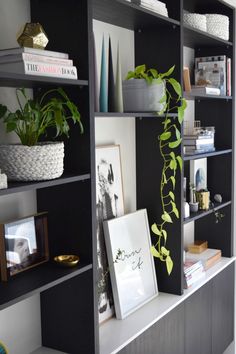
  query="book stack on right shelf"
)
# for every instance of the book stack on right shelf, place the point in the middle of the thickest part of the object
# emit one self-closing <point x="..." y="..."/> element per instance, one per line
<point x="198" y="260"/>
<point x="32" y="61"/>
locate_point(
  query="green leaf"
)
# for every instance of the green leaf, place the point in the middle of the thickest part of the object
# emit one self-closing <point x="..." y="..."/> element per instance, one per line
<point x="154" y="252"/>
<point x="155" y="230"/>
<point x="173" y="165"/>
<point x="175" y="143"/>
<point x="168" y="73"/>
<point x="165" y="136"/>
<point x="177" y="133"/>
<point x="164" y="233"/>
<point x="172" y="155"/>
<point x="164" y="251"/>
<point x="165" y="179"/>
<point x="173" y="181"/>
<point x="176" y="212"/>
<point x="180" y="161"/>
<point x="176" y="86"/>
<point x="181" y="111"/>
<point x="139" y="70"/>
<point x="166" y="122"/>
<point x="154" y="73"/>
<point x="166" y="217"/>
<point x="169" y="264"/>
<point x="130" y="75"/>
<point x="171" y="194"/>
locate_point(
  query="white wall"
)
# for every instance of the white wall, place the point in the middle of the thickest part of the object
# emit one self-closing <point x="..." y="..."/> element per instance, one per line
<point x="119" y="131"/>
<point x="20" y="327"/>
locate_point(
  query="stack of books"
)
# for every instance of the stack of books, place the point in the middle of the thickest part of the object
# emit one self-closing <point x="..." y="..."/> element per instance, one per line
<point x="31" y="61"/>
<point x="208" y="257"/>
<point x="153" y="5"/>
<point x="213" y="75"/>
<point x="193" y="271"/>
<point x="198" y="144"/>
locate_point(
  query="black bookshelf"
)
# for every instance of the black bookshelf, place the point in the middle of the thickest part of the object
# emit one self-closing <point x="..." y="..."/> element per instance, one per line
<point x="69" y="296"/>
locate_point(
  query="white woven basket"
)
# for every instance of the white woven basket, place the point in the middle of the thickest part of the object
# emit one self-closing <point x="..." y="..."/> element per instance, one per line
<point x="32" y="163"/>
<point x="197" y="21"/>
<point x="218" y="25"/>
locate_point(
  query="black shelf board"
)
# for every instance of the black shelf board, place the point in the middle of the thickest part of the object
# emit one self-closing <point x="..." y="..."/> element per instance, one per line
<point x="131" y="114"/>
<point x="195" y="38"/>
<point x="16" y="187"/>
<point x="202" y="213"/>
<point x="32" y="81"/>
<point x="36" y="280"/>
<point x="207" y="154"/>
<point x="191" y="96"/>
<point x="129" y="15"/>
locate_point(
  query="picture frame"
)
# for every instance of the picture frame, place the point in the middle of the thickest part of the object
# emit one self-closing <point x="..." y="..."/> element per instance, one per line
<point x="109" y="204"/>
<point x="23" y="244"/>
<point x="198" y="174"/>
<point x="131" y="263"/>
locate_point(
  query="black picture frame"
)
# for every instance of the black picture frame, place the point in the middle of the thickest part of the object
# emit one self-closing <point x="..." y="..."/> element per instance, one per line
<point x="23" y="244"/>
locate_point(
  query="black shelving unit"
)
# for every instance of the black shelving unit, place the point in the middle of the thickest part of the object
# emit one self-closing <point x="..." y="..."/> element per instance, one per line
<point x="69" y="296"/>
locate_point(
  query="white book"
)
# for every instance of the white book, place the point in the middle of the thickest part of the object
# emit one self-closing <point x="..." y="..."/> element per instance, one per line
<point x="205" y="90"/>
<point x="36" y="58"/>
<point x="18" y="50"/>
<point x="40" y="69"/>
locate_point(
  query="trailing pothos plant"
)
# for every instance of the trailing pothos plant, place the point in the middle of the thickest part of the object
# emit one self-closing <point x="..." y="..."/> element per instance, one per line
<point x="169" y="139"/>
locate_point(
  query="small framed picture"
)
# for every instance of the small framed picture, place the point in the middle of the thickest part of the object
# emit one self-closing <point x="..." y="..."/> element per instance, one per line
<point x="198" y="173"/>
<point x="131" y="263"/>
<point x="23" y="244"/>
<point x="109" y="204"/>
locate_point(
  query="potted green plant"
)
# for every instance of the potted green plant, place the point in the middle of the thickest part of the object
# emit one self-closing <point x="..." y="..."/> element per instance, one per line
<point x="33" y="160"/>
<point x="143" y="89"/>
<point x="170" y="100"/>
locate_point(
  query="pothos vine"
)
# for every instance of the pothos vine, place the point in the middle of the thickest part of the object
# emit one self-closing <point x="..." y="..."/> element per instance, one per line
<point x="169" y="140"/>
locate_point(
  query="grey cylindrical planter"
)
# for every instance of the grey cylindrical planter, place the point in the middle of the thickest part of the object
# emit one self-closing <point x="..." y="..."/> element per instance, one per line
<point x="32" y="163"/>
<point x="139" y="96"/>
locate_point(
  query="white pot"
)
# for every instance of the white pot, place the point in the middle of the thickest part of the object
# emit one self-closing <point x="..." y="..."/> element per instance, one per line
<point x="139" y="96"/>
<point x="32" y="163"/>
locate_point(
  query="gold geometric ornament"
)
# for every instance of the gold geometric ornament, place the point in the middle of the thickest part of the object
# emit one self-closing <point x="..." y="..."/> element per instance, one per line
<point x="33" y="36"/>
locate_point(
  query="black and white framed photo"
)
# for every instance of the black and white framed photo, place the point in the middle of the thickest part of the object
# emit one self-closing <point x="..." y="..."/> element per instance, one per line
<point x="109" y="204"/>
<point x="131" y="263"/>
<point x="198" y="173"/>
<point x="23" y="244"/>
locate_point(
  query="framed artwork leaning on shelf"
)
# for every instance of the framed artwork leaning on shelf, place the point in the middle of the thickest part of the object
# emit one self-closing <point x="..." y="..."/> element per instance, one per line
<point x="131" y="263"/>
<point x="109" y="204"/>
<point x="198" y="173"/>
<point x="23" y="244"/>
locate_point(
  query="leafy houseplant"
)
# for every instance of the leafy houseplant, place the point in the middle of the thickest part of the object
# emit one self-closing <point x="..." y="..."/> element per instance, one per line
<point x="169" y="139"/>
<point x="31" y="122"/>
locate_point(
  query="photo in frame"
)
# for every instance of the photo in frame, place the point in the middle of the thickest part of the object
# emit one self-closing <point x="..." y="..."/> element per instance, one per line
<point x="109" y="204"/>
<point x="23" y="244"/>
<point x="198" y="173"/>
<point x="131" y="263"/>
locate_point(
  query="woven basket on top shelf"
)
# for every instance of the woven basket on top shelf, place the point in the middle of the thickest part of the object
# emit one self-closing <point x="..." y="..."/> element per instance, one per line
<point x="43" y="161"/>
<point x="218" y="25"/>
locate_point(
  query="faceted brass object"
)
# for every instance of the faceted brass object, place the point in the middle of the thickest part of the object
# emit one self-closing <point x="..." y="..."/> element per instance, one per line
<point x="67" y="260"/>
<point x="33" y="36"/>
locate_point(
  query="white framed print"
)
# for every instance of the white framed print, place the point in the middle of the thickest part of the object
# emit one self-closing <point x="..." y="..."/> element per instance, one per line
<point x="198" y="173"/>
<point x="109" y="204"/>
<point x="131" y="264"/>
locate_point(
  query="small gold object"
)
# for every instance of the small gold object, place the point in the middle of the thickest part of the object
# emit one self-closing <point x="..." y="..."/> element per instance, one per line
<point x="33" y="36"/>
<point x="203" y="197"/>
<point x="67" y="260"/>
